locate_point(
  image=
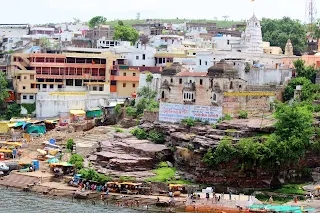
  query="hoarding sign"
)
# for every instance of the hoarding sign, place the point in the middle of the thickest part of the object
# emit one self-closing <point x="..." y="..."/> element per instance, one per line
<point x="176" y="112"/>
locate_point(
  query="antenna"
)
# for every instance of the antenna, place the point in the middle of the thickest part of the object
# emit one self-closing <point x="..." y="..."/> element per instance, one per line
<point x="311" y="13"/>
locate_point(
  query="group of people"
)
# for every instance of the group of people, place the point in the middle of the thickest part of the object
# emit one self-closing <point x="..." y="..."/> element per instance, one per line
<point x="93" y="187"/>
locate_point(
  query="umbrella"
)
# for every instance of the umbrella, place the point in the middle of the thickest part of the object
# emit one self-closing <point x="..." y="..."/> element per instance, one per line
<point x="53" y="160"/>
<point x="317" y="187"/>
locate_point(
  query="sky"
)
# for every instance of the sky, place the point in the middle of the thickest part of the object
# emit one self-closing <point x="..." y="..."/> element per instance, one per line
<point x="57" y="11"/>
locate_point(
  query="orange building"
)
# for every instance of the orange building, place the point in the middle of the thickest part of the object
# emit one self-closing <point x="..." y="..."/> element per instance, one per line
<point x="68" y="72"/>
<point x="313" y="59"/>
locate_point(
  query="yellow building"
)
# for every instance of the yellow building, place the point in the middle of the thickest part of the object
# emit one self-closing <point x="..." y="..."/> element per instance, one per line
<point x="125" y="81"/>
<point x="267" y="49"/>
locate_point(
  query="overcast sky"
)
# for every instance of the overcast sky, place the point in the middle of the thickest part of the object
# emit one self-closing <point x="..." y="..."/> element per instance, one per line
<point x="54" y="11"/>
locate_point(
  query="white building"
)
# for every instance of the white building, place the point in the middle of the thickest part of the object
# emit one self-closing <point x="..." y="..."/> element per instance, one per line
<point x="136" y="56"/>
<point x="155" y="84"/>
<point x="14" y="30"/>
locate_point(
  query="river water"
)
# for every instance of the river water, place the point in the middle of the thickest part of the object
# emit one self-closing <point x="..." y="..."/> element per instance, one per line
<point x="13" y="201"/>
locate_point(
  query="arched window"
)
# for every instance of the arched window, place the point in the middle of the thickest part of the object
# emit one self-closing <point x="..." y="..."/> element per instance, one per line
<point x="162" y="95"/>
<point x="214" y="97"/>
<point x="231" y="85"/>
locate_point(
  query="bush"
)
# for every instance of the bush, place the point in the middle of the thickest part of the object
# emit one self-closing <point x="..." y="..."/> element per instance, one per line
<point x="227" y="117"/>
<point x="205" y="122"/>
<point x="214" y="126"/>
<point x="131" y="111"/>
<point x="29" y="107"/>
<point x="117" y="110"/>
<point x="243" y="114"/>
<point x="142" y="105"/>
<point x="317" y="108"/>
<point x="157" y="137"/>
<point x="77" y="160"/>
<point x="70" y="144"/>
<point x="139" y="133"/>
<point x="91" y="174"/>
<point x="162" y="164"/>
<point x="118" y="129"/>
<point x="188" y="121"/>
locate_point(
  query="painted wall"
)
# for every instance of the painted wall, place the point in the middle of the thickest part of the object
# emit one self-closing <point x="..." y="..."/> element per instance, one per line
<point x="53" y="105"/>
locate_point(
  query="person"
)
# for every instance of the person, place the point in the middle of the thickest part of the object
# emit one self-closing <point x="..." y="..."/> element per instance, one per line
<point x="158" y="199"/>
<point x="271" y="199"/>
<point x="170" y="194"/>
<point x="207" y="196"/>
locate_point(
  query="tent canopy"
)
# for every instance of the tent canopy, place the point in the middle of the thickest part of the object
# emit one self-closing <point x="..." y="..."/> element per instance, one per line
<point x="78" y="112"/>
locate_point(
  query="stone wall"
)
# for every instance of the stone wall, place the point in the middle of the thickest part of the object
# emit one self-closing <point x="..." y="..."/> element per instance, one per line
<point x="150" y="116"/>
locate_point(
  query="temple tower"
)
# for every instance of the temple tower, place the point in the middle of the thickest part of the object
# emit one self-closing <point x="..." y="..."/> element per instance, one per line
<point x="253" y="36"/>
<point x="288" y="48"/>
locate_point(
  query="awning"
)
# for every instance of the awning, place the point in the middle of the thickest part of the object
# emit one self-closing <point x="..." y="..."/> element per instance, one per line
<point x="77" y="112"/>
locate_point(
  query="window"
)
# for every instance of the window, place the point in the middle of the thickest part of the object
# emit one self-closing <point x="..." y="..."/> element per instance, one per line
<point x="231" y="85"/>
<point x="23" y="87"/>
<point x="134" y="74"/>
<point x="228" y="42"/>
<point x="200" y="81"/>
<point x="44" y="86"/>
<point x="31" y="77"/>
<point x="94" y="88"/>
<point x="171" y="80"/>
<point x="24" y="97"/>
<point x="100" y="88"/>
<point x="200" y="62"/>
<point x="143" y="56"/>
<point x="78" y="83"/>
<point x="180" y="80"/>
<point x="124" y="85"/>
<point x="124" y="74"/>
<point x="69" y="82"/>
<point x="188" y="96"/>
<point x="25" y="77"/>
<point x="206" y="63"/>
<point x="59" y="86"/>
<point x="214" y="97"/>
<point x="133" y="85"/>
<point x="137" y="57"/>
<point x="31" y="97"/>
<point x="51" y="86"/>
<point x="162" y="94"/>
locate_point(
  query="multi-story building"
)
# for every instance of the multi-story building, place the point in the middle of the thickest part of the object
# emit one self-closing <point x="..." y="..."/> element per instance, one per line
<point x="53" y="79"/>
<point x="125" y="79"/>
<point x="201" y="27"/>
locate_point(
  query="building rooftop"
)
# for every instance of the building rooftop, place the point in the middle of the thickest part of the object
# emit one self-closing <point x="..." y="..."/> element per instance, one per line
<point x="192" y="74"/>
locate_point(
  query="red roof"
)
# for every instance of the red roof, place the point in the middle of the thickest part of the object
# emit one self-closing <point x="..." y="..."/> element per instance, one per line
<point x="192" y="74"/>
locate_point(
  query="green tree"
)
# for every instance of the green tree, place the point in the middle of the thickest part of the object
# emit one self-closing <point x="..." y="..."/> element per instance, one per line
<point x="126" y="33"/>
<point x="302" y="70"/>
<point x="77" y="160"/>
<point x="278" y="31"/>
<point x="97" y="21"/>
<point x="3" y="87"/>
<point x="13" y="110"/>
<point x="70" y="144"/>
<point x="307" y="89"/>
<point x="45" y="44"/>
<point x="223" y="153"/>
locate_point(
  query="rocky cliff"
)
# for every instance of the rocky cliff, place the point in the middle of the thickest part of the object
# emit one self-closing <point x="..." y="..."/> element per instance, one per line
<point x="190" y="144"/>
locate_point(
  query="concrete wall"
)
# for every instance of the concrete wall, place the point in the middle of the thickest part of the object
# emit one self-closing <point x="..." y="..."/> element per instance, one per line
<point x="52" y="105"/>
<point x="266" y="76"/>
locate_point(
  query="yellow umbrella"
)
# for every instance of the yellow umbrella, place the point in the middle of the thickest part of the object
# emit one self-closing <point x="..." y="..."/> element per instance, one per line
<point x="317" y="187"/>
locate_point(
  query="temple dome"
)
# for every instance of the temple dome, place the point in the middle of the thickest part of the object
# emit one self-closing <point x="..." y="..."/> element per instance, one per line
<point x="175" y="68"/>
<point x="223" y="70"/>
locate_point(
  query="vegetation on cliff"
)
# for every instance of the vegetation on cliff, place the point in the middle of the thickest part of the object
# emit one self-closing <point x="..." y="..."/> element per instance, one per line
<point x="286" y="145"/>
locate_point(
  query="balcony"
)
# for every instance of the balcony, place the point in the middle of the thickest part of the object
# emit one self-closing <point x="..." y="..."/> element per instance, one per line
<point x="21" y="72"/>
<point x="28" y="91"/>
<point x="75" y="65"/>
<point x="124" y="78"/>
<point x="71" y="77"/>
